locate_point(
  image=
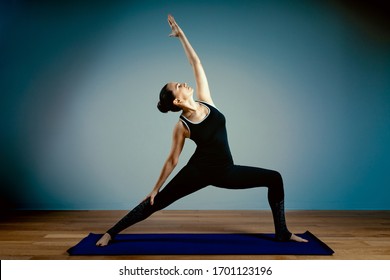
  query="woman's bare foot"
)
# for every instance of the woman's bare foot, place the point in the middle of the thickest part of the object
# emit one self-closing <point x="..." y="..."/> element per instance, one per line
<point x="297" y="238"/>
<point x="104" y="240"/>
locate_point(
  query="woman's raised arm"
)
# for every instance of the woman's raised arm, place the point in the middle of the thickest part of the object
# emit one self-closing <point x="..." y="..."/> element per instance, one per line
<point x="202" y="86"/>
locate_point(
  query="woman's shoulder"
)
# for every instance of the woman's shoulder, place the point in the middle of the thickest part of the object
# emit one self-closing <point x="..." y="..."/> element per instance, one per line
<point x="210" y="106"/>
<point x="207" y="103"/>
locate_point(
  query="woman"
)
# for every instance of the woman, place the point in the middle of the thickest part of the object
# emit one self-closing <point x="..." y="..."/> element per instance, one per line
<point x="211" y="164"/>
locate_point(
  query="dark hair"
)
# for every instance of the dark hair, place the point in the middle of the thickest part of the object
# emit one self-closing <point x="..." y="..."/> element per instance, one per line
<point x="166" y="101"/>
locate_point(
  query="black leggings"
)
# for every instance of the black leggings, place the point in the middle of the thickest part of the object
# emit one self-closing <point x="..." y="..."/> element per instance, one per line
<point x="192" y="178"/>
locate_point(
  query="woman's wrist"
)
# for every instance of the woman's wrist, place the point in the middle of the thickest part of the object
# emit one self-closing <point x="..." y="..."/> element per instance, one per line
<point x="179" y="34"/>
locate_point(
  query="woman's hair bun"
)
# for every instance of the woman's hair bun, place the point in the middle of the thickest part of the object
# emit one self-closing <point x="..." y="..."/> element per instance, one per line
<point x="162" y="108"/>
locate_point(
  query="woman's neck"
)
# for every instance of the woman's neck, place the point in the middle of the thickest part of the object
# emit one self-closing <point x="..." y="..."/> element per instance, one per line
<point x="190" y="107"/>
<point x="196" y="114"/>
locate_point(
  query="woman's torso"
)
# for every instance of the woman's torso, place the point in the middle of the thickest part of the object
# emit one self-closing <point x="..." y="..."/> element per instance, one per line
<point x="210" y="136"/>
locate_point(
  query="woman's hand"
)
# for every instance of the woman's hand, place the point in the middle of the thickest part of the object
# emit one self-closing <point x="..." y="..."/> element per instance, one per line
<point x="176" y="30"/>
<point x="151" y="196"/>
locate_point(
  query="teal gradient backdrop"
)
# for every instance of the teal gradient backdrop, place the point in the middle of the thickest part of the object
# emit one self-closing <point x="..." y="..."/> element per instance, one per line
<point x="305" y="88"/>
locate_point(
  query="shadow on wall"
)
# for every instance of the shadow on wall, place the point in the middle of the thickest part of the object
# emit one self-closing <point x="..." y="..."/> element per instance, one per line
<point x="371" y="17"/>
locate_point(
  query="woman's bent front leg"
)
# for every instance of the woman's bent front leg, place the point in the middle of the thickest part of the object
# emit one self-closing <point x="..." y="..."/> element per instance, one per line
<point x="243" y="177"/>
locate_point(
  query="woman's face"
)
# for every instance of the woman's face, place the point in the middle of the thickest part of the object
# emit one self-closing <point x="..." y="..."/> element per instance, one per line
<point x="181" y="91"/>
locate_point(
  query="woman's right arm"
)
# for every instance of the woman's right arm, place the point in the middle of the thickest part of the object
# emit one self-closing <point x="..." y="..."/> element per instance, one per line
<point x="178" y="139"/>
<point x="202" y="85"/>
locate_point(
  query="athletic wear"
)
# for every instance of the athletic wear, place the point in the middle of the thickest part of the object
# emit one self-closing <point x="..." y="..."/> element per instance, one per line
<point x="210" y="137"/>
<point x="212" y="164"/>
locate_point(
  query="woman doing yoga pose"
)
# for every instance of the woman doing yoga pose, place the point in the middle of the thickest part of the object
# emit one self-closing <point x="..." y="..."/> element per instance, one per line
<point x="212" y="162"/>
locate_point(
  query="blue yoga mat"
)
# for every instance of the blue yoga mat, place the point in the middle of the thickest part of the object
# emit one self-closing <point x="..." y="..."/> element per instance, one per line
<point x="200" y="244"/>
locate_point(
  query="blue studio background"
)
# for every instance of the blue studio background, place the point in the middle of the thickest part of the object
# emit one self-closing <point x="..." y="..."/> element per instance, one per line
<point x="305" y="87"/>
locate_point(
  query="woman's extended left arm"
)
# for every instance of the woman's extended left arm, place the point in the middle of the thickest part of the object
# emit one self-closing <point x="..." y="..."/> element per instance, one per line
<point x="202" y="86"/>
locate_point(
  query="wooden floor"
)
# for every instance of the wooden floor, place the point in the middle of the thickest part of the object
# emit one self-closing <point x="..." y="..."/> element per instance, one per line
<point x="47" y="235"/>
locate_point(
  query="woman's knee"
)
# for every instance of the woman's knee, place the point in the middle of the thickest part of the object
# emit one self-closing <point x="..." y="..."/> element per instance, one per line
<point x="276" y="178"/>
<point x="276" y="189"/>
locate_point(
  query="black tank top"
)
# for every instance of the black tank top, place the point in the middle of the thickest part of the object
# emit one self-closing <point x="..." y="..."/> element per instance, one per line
<point x="210" y="137"/>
